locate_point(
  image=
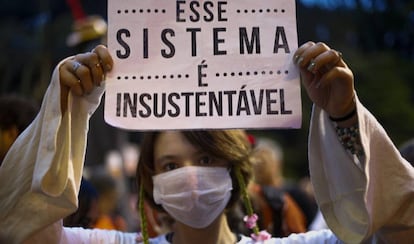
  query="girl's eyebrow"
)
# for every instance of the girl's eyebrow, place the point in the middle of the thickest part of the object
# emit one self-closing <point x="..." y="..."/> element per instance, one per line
<point x="161" y="161"/>
<point x="165" y="157"/>
<point x="171" y="156"/>
<point x="200" y="151"/>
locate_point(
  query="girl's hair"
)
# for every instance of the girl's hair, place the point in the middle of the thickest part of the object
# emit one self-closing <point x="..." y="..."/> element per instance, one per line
<point x="230" y="145"/>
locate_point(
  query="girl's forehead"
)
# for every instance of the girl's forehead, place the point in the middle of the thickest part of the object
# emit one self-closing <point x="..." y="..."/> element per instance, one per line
<point x="172" y="142"/>
<point x="170" y="137"/>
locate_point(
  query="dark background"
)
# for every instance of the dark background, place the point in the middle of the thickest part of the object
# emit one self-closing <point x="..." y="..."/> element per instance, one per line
<point x="375" y="36"/>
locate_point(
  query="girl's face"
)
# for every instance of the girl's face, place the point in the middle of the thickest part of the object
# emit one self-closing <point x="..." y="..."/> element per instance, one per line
<point x="172" y="150"/>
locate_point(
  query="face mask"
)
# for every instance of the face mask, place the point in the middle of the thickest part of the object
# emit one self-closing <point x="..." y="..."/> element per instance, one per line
<point x="193" y="195"/>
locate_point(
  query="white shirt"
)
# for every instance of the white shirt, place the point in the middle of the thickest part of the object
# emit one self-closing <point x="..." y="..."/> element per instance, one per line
<point x="312" y="237"/>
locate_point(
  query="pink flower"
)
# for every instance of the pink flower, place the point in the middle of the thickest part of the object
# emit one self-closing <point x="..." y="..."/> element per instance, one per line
<point x="262" y="236"/>
<point x="250" y="221"/>
<point x="139" y="237"/>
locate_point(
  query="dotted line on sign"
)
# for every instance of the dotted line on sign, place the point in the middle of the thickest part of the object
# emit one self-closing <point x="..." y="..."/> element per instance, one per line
<point x="254" y="73"/>
<point x="163" y="11"/>
<point x="186" y="76"/>
<point x="154" y="77"/>
<point x="253" y="11"/>
<point x="141" y="11"/>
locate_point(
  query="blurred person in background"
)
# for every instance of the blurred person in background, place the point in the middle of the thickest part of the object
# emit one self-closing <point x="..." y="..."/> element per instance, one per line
<point x="317" y="222"/>
<point x="109" y="217"/>
<point x="121" y="166"/>
<point x="16" y="113"/>
<point x="278" y="212"/>
<point x="87" y="213"/>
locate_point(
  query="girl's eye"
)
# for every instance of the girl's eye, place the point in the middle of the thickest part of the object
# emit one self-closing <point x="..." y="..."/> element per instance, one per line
<point x="206" y="160"/>
<point x="170" y="166"/>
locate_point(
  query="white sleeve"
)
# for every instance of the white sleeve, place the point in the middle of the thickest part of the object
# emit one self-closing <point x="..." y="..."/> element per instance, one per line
<point x="40" y="176"/>
<point x="310" y="237"/>
<point x="96" y="236"/>
<point x="368" y="200"/>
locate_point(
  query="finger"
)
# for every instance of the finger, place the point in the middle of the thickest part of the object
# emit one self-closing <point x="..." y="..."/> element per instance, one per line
<point x="334" y="74"/>
<point x="84" y="73"/>
<point x="104" y="57"/>
<point x="301" y="50"/>
<point x="325" y="61"/>
<point x="310" y="53"/>
<point x="68" y="77"/>
<point x="92" y="62"/>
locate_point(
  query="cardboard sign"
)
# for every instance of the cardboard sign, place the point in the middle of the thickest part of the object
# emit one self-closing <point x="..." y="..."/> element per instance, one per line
<point x="202" y="64"/>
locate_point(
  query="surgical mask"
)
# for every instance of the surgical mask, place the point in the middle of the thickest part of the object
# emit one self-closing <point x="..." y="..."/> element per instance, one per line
<point x="193" y="195"/>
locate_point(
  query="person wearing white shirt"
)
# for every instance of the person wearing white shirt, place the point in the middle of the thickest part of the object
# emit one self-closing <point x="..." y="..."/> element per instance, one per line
<point x="363" y="186"/>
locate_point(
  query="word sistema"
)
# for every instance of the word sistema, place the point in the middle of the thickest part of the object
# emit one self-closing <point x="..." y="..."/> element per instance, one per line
<point x="249" y="41"/>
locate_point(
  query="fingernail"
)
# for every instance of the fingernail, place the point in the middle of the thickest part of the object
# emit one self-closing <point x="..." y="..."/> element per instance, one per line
<point x="311" y="66"/>
<point x="295" y="59"/>
<point x="300" y="60"/>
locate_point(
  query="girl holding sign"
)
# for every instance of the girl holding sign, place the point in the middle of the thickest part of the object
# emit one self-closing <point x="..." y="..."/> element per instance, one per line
<point x="362" y="184"/>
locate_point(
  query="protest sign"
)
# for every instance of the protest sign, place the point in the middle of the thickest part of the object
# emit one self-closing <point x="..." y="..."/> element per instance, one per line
<point x="202" y="64"/>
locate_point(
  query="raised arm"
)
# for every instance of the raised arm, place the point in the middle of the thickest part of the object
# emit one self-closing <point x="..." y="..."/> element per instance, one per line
<point x="40" y="175"/>
<point x="363" y="186"/>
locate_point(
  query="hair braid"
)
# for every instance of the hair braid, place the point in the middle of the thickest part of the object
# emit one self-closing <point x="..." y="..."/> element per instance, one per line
<point x="245" y="196"/>
<point x="144" y="230"/>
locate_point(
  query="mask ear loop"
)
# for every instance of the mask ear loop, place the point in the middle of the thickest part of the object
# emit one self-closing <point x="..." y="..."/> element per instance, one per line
<point x="144" y="230"/>
<point x="245" y="198"/>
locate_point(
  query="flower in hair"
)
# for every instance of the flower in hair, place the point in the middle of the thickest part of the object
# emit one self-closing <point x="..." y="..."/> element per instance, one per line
<point x="250" y="220"/>
<point x="262" y="236"/>
<point x="251" y="223"/>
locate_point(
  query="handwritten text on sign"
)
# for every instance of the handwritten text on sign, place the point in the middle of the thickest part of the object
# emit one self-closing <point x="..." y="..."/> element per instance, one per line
<point x="202" y="64"/>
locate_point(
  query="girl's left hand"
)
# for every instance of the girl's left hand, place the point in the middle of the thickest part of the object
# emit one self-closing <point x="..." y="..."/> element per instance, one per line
<point x="326" y="77"/>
